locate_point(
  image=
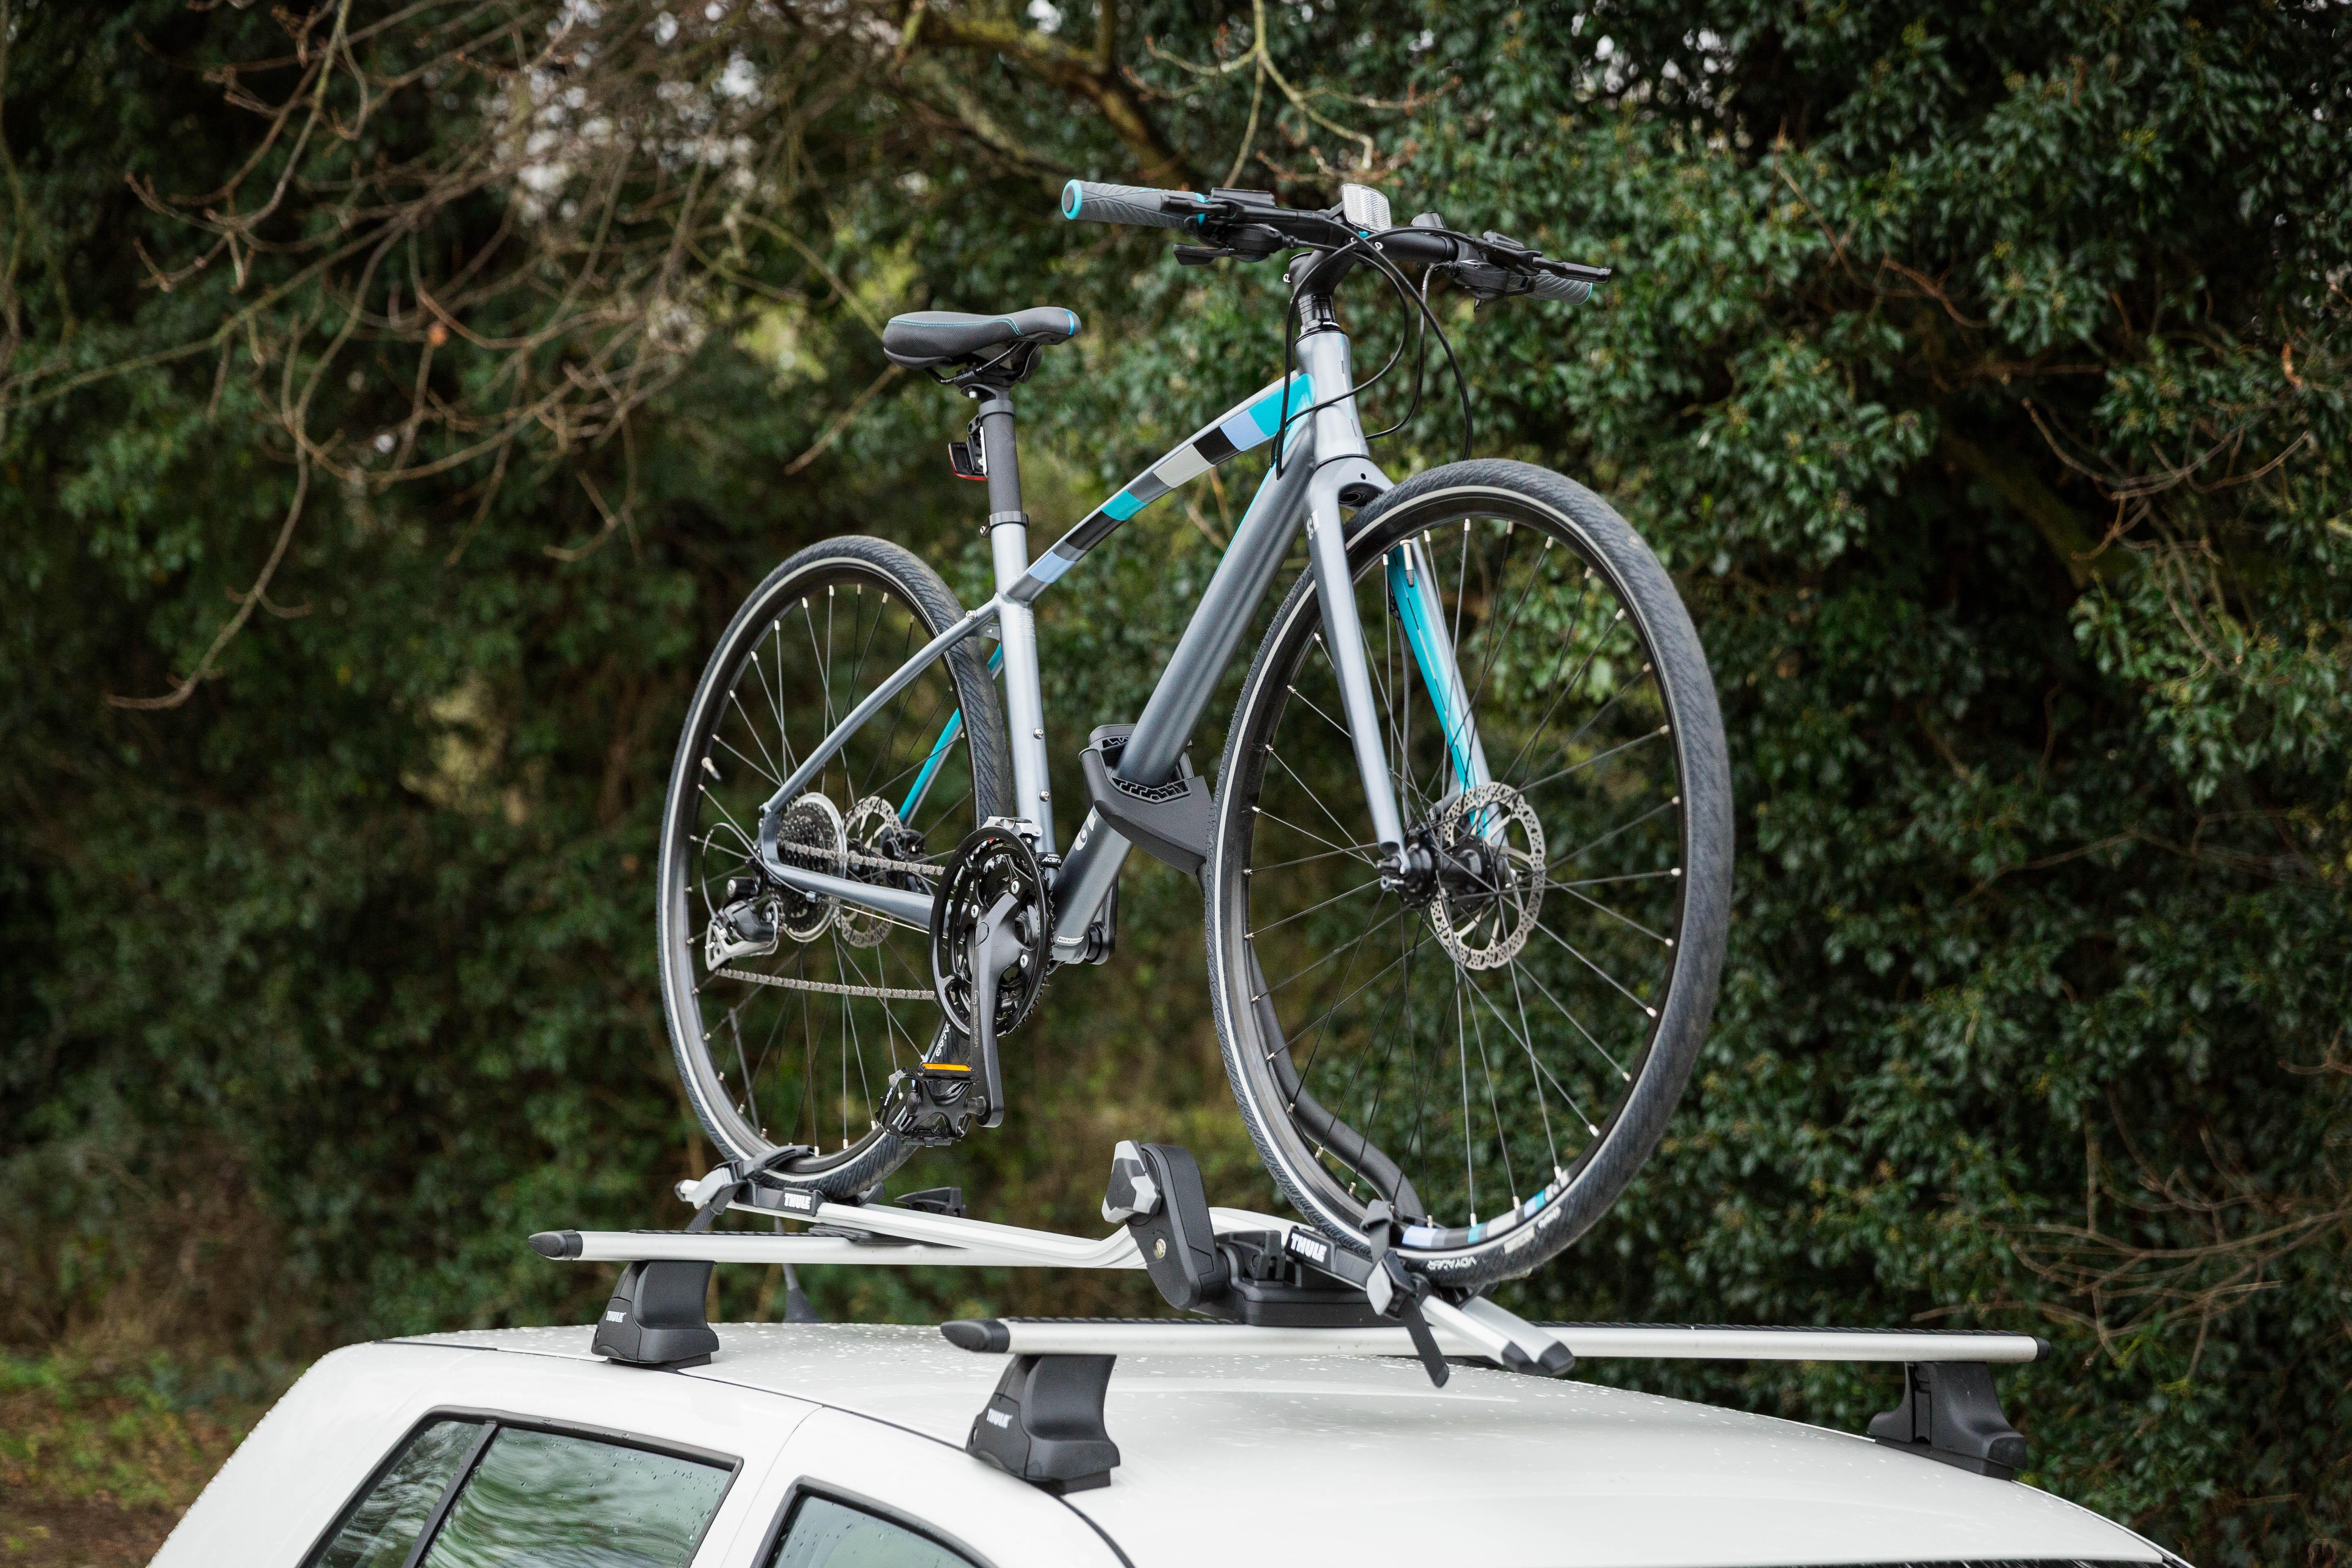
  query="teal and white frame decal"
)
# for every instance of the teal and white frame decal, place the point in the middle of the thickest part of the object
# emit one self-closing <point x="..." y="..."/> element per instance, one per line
<point x="1250" y="423"/>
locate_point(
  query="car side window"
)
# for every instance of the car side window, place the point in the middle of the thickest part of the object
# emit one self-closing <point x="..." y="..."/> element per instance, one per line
<point x="468" y="1493"/>
<point x="823" y="1533"/>
<point x="551" y="1499"/>
<point x="386" y="1522"/>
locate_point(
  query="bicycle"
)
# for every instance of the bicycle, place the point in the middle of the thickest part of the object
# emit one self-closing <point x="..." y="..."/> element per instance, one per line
<point x="1493" y="980"/>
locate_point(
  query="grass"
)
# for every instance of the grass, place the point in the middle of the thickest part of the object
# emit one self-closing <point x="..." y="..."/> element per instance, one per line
<point x="98" y="1460"/>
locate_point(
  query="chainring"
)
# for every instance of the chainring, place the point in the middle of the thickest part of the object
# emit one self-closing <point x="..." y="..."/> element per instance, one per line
<point x="991" y="863"/>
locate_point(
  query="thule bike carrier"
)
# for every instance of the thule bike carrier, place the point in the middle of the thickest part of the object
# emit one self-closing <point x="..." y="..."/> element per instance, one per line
<point x="1257" y="1284"/>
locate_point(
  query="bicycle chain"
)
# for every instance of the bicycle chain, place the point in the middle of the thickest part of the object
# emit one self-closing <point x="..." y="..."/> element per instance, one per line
<point x="855" y="857"/>
<point x="831" y="988"/>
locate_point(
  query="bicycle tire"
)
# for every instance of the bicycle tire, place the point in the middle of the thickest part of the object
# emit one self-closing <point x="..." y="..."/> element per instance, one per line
<point x="857" y="563"/>
<point x="1333" y="1190"/>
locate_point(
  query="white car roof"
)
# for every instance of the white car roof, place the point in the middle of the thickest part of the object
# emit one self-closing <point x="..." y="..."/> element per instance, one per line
<point x="1356" y="1458"/>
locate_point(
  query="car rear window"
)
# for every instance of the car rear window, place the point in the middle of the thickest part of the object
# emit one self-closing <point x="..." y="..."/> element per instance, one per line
<point x="477" y="1491"/>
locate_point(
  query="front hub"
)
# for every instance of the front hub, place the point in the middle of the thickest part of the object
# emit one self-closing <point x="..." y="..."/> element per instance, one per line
<point x="1489" y="848"/>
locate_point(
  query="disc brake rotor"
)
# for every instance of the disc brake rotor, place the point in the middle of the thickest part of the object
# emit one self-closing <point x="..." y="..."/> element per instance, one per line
<point x="875" y="834"/>
<point x="1492" y="888"/>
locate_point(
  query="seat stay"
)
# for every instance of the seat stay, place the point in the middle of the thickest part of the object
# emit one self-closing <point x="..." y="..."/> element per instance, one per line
<point x="866" y="896"/>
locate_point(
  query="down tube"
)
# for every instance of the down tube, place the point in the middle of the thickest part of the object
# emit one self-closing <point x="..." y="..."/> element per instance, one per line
<point x="1173" y="710"/>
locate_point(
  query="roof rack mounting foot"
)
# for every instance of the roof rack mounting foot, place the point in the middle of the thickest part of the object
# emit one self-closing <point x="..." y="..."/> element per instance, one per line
<point x="1949" y="1412"/>
<point x="654" y="1317"/>
<point x="1044" y="1423"/>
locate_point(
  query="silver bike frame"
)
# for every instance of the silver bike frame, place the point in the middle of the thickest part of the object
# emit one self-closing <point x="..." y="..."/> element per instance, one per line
<point x="1321" y="456"/>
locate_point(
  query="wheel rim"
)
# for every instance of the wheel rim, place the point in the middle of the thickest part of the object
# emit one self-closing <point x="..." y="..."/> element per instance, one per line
<point x="1492" y="1073"/>
<point x="797" y="1045"/>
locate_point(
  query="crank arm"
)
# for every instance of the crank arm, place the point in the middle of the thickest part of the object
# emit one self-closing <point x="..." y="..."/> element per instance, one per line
<point x="995" y="944"/>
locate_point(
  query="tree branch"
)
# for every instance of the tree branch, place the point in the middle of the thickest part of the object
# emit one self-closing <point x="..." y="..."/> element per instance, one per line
<point x="2075" y="545"/>
<point x="1095" y="80"/>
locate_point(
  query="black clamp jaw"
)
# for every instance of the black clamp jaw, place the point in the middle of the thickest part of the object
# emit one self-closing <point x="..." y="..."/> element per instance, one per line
<point x="1265" y="1278"/>
<point x="1171" y="822"/>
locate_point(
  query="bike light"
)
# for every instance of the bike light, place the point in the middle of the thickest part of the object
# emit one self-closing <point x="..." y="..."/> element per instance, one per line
<point x="1365" y="208"/>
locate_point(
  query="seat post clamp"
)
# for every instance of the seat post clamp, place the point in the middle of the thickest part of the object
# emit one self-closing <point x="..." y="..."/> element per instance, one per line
<point x="1003" y="519"/>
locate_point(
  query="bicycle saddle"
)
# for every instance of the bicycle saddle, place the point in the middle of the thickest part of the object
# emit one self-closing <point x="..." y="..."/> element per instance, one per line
<point x="925" y="338"/>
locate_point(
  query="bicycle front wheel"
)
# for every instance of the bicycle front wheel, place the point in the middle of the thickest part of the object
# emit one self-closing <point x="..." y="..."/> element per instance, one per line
<point x="1493" y="1042"/>
<point x="788" y="1013"/>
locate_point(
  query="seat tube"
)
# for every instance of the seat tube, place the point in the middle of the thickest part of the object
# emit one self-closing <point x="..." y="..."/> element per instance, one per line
<point x="1008" y="541"/>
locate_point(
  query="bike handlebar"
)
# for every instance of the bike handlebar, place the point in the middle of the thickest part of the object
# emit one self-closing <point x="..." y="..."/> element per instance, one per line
<point x="1552" y="286"/>
<point x="1087" y="200"/>
<point x="1248" y="224"/>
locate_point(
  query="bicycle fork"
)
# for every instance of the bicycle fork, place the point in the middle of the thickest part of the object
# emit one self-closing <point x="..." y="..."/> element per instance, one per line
<point x="1344" y="474"/>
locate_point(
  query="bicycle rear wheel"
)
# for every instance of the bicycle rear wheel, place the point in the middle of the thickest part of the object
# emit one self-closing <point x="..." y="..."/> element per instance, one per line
<point x="788" y="1014"/>
<point x="1494" y="1044"/>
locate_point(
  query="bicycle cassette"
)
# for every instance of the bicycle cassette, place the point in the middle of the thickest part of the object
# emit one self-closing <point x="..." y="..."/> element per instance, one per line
<point x="992" y="876"/>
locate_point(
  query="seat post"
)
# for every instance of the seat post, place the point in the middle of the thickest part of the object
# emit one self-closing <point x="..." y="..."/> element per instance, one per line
<point x="1008" y="543"/>
<point x="995" y="422"/>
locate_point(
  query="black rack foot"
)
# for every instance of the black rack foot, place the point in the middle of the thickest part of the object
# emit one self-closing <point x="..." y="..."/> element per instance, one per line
<point x="1044" y="1423"/>
<point x="1951" y="1414"/>
<point x="654" y="1317"/>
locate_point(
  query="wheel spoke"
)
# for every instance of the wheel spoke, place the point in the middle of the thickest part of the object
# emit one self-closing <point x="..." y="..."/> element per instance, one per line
<point x="1337" y="825"/>
<point x="1624" y="828"/>
<point x="1596" y="757"/>
<point x="1575" y="952"/>
<point x="1296" y="914"/>
<point x="1612" y="914"/>
<point x="1341" y="849"/>
<point x="1347" y="947"/>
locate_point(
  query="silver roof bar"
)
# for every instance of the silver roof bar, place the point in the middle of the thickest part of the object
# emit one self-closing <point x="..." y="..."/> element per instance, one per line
<point x="1282" y="1289"/>
<point x="1640" y="1341"/>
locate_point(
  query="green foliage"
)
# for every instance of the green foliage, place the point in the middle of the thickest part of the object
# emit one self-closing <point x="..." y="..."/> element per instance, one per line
<point x="1981" y="375"/>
